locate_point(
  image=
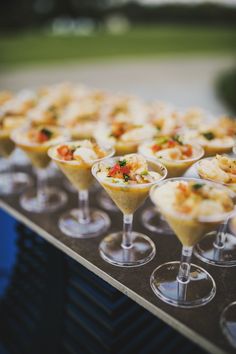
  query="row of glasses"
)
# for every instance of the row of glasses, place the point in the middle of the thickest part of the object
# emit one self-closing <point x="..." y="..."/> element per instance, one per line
<point x="178" y="283"/>
<point x="41" y="201"/>
<point x="11" y="182"/>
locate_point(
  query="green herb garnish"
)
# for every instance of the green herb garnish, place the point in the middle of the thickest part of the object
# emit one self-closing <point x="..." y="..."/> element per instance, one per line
<point x="177" y="138"/>
<point x="126" y="177"/>
<point x="122" y="163"/>
<point x="144" y="173"/>
<point x="197" y="186"/>
<point x="162" y="140"/>
<point x="51" y="108"/>
<point x="209" y="135"/>
<point x="46" y="132"/>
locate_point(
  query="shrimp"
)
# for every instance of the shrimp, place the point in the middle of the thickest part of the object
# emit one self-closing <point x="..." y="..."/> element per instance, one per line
<point x="170" y="154"/>
<point x="136" y="163"/>
<point x="226" y="164"/>
<point x="209" y="169"/>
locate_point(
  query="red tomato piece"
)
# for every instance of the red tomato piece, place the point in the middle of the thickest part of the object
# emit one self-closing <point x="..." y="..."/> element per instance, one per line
<point x="156" y="147"/>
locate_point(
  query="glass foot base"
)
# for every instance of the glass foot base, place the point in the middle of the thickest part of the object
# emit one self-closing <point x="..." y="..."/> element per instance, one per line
<point x="106" y="202"/>
<point x="19" y="158"/>
<point x="154" y="222"/>
<point x="223" y="257"/>
<point x="4" y="164"/>
<point x="198" y="292"/>
<point x="14" y="183"/>
<point x="69" y="225"/>
<point x="142" y="251"/>
<point x="228" y="323"/>
<point x="54" y="199"/>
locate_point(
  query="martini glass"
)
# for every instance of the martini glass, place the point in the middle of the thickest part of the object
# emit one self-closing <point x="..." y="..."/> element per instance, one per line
<point x="42" y="198"/>
<point x="11" y="182"/>
<point x="82" y="222"/>
<point x="219" y="246"/>
<point x="228" y="323"/>
<point x="128" y="248"/>
<point x="152" y="219"/>
<point x="103" y="135"/>
<point x="184" y="284"/>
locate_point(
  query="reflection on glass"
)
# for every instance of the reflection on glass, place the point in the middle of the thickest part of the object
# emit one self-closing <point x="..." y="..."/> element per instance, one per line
<point x="228" y="323"/>
<point x="11" y="182"/>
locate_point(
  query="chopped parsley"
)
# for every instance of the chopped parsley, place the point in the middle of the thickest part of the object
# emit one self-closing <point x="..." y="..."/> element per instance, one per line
<point x="209" y="135"/>
<point x="197" y="186"/>
<point x="126" y="177"/>
<point x="51" y="109"/>
<point x="46" y="132"/>
<point x="122" y="163"/>
<point x="162" y="140"/>
<point x="177" y="138"/>
<point x="144" y="173"/>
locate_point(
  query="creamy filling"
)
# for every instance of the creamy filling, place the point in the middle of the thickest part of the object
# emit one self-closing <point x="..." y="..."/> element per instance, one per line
<point x="192" y="199"/>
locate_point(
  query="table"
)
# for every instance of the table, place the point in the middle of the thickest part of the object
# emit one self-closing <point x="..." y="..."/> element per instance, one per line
<point x="201" y="325"/>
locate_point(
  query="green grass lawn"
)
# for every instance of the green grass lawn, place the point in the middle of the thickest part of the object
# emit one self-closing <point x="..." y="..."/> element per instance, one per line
<point x="38" y="47"/>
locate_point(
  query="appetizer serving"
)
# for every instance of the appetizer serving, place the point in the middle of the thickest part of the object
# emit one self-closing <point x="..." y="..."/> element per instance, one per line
<point x="7" y="125"/>
<point x="219" y="246"/>
<point x="81" y="116"/>
<point x="124" y="136"/>
<point x="127" y="180"/>
<point x="35" y="142"/>
<point x="164" y="117"/>
<point x="125" y="108"/>
<point x="221" y="168"/>
<point x="192" y="207"/>
<point x="173" y="152"/>
<point x="217" y="137"/>
<point x="12" y="115"/>
<point x="177" y="156"/>
<point x="194" y="117"/>
<point x="75" y="160"/>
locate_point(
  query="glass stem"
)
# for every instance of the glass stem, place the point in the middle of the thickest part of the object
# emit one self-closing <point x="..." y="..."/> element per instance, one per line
<point x="11" y="166"/>
<point x="84" y="217"/>
<point x="41" y="184"/>
<point x="127" y="231"/>
<point x="185" y="265"/>
<point x="11" y="169"/>
<point x="221" y="235"/>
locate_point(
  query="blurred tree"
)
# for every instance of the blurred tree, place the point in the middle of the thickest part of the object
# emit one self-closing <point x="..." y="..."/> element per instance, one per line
<point x="226" y="89"/>
<point x="33" y="13"/>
